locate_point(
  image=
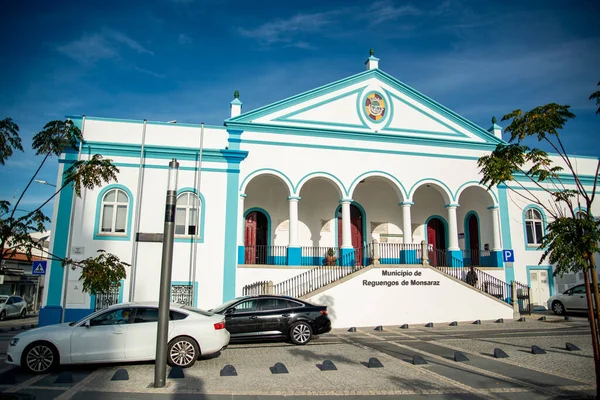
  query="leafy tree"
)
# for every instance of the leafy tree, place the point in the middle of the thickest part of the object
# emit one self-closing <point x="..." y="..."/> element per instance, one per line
<point x="98" y="273"/>
<point x="573" y="235"/>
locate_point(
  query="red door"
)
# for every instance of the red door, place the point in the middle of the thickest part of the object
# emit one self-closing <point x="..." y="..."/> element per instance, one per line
<point x="356" y="233"/>
<point x="436" y="240"/>
<point x="250" y="239"/>
<point x="473" y="240"/>
<point x="255" y="238"/>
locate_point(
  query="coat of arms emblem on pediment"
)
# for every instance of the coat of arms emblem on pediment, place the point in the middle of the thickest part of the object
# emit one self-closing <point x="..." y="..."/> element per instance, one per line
<point x="375" y="106"/>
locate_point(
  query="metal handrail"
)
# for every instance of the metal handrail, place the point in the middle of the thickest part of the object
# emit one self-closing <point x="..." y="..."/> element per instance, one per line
<point x="256" y="288"/>
<point x="321" y="276"/>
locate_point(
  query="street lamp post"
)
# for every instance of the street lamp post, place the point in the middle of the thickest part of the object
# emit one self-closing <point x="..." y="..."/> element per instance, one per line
<point x="44" y="182"/>
<point x="160" y="366"/>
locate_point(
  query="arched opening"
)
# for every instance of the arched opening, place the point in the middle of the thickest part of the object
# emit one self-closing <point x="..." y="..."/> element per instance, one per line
<point x="436" y="241"/>
<point x="357" y="221"/>
<point x="472" y="240"/>
<point x="256" y="237"/>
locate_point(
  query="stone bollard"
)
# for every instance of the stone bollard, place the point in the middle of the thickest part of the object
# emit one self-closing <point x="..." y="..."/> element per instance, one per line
<point x="270" y="287"/>
<point x="375" y="252"/>
<point x="515" y="300"/>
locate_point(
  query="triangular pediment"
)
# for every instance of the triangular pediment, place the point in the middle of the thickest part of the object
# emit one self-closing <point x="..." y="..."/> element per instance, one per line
<point x="369" y="102"/>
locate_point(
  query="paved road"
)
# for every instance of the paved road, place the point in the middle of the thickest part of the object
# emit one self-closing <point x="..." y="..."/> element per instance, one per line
<point x="12" y="326"/>
<point x="557" y="374"/>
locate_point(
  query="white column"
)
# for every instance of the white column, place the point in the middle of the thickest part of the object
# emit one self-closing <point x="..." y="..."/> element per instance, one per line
<point x="496" y="246"/>
<point x="346" y="232"/>
<point x="242" y="221"/>
<point x="452" y="227"/>
<point x="406" y="222"/>
<point x="293" y="202"/>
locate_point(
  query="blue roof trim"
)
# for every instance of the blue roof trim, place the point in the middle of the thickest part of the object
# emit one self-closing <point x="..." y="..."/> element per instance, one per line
<point x="457" y="133"/>
<point x="297" y="99"/>
<point x="448" y="113"/>
<point x="162" y="152"/>
<point x="364" y="136"/>
<point x="287" y="117"/>
<point x="77" y="120"/>
<point x="587" y="180"/>
<point x="360" y="77"/>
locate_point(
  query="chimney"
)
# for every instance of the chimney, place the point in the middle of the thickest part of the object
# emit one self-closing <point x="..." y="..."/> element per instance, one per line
<point x="495" y="129"/>
<point x="236" y="105"/>
<point x="372" y="62"/>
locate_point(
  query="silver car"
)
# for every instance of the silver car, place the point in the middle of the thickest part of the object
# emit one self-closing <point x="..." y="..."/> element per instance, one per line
<point x="12" y="306"/>
<point x="571" y="300"/>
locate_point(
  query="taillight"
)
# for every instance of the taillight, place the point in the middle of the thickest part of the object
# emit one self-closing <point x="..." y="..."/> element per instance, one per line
<point x="323" y="312"/>
<point x="219" y="325"/>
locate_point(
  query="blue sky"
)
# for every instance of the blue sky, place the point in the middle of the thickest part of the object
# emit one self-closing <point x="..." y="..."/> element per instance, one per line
<point x="182" y="59"/>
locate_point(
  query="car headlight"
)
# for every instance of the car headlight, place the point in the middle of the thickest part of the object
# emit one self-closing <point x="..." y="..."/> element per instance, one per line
<point x="14" y="342"/>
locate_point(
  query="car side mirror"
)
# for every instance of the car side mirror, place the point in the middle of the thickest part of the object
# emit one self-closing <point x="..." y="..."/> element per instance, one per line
<point x="230" y="311"/>
<point x="87" y="323"/>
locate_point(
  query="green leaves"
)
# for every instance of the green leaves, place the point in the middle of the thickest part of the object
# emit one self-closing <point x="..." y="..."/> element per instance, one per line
<point x="56" y="137"/>
<point x="90" y="173"/>
<point x="570" y="242"/>
<point x="501" y="165"/>
<point x="9" y="139"/>
<point x="15" y="233"/>
<point x="596" y="95"/>
<point x="100" y="273"/>
<point x="541" y="121"/>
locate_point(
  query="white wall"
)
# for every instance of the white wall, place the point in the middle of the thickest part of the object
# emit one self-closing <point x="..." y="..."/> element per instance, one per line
<point x="353" y="303"/>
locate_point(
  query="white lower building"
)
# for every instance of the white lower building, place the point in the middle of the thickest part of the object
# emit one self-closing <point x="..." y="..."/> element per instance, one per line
<point x="365" y="168"/>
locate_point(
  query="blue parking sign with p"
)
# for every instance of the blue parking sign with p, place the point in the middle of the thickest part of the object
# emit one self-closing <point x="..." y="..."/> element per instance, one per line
<point x="39" y="268"/>
<point x="508" y="255"/>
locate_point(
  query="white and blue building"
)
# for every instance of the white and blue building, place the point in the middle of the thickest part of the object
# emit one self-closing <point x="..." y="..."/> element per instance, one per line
<point x="361" y="162"/>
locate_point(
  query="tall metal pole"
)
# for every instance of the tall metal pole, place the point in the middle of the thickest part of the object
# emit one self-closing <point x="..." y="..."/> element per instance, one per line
<point x="138" y="212"/>
<point x="198" y="211"/>
<point x="160" y="366"/>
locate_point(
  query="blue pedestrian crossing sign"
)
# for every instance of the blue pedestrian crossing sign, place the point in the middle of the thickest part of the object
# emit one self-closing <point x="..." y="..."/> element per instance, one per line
<point x="39" y="268"/>
<point x="508" y="255"/>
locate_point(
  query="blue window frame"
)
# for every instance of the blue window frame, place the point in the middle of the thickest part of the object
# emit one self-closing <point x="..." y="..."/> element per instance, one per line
<point x="114" y="208"/>
<point x="534" y="224"/>
<point x="189" y="204"/>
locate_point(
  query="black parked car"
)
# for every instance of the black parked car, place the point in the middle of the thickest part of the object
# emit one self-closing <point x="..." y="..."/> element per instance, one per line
<point x="270" y="316"/>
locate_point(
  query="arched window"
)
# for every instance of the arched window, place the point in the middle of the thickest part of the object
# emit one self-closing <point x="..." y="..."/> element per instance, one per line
<point x="186" y="215"/>
<point x="114" y="212"/>
<point x="534" y="227"/>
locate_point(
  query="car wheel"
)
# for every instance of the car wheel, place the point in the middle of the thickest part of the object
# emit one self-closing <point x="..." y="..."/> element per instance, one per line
<point x="23" y="313"/>
<point x="2" y="315"/>
<point x="183" y="352"/>
<point x="300" y="333"/>
<point x="39" y="357"/>
<point x="558" y="308"/>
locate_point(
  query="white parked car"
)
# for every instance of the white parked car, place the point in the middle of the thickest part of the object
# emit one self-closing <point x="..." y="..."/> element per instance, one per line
<point x="570" y="300"/>
<point x="120" y="333"/>
<point x="12" y="306"/>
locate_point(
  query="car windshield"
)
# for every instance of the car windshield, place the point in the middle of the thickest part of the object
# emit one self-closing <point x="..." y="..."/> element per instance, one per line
<point x="3" y="300"/>
<point x="198" y="311"/>
<point x="226" y="305"/>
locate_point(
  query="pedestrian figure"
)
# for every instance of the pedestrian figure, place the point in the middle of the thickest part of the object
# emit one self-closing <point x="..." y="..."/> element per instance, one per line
<point x="472" y="277"/>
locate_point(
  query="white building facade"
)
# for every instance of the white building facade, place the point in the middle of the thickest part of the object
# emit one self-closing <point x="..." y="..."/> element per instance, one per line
<point x="362" y="163"/>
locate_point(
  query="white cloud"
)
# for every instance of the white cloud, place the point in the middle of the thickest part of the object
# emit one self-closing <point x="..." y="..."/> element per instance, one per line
<point x="106" y="44"/>
<point x="290" y="31"/>
<point x="285" y="30"/>
<point x="184" y="39"/>
<point x="386" y="10"/>
<point x="148" y="72"/>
